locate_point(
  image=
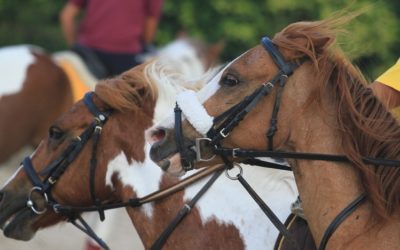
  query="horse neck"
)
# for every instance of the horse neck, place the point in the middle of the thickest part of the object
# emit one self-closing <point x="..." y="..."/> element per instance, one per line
<point x="326" y="188"/>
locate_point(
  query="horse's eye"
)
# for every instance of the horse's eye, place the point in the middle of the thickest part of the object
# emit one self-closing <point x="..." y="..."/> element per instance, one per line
<point x="229" y="80"/>
<point x="55" y="133"/>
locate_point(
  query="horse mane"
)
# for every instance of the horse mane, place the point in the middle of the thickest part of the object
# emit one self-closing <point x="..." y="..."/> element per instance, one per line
<point x="131" y="89"/>
<point x="127" y="91"/>
<point x="365" y="126"/>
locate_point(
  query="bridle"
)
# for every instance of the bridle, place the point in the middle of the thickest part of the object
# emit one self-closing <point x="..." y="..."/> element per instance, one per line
<point x="52" y="173"/>
<point x="227" y="121"/>
<point x="57" y="167"/>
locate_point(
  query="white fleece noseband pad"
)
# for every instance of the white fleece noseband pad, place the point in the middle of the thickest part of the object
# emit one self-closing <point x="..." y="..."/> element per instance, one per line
<point x="194" y="111"/>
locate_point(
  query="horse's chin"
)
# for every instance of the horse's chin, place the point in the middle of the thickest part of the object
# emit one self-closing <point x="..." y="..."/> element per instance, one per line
<point x="19" y="226"/>
<point x="172" y="165"/>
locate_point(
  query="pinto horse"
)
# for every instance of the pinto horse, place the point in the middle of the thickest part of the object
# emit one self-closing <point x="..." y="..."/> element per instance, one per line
<point x="36" y="88"/>
<point x="303" y="95"/>
<point x="220" y="220"/>
<point x="34" y="92"/>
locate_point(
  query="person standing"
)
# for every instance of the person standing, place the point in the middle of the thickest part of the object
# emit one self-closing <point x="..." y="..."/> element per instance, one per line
<point x="112" y="32"/>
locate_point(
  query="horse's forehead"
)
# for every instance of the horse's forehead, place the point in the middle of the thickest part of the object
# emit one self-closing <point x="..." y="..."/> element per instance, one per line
<point x="250" y="56"/>
<point x="76" y="117"/>
<point x="14" y="62"/>
<point x="253" y="59"/>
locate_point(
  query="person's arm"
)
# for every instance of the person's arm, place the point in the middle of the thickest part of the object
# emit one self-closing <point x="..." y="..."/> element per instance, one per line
<point x="150" y="29"/>
<point x="389" y="97"/>
<point x="153" y="10"/>
<point x="68" y="17"/>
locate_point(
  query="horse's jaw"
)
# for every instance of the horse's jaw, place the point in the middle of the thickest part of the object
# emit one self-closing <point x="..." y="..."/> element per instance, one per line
<point x="168" y="160"/>
<point x="19" y="226"/>
<point x="16" y="220"/>
<point x="173" y="165"/>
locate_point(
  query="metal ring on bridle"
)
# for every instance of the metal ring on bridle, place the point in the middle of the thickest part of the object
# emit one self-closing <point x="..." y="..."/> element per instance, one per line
<point x="234" y="177"/>
<point x="31" y="204"/>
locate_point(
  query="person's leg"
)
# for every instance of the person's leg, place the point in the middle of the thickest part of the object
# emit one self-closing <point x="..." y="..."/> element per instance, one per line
<point x="116" y="63"/>
<point x="92" y="61"/>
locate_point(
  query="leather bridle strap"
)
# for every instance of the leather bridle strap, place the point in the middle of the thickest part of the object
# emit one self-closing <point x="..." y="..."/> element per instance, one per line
<point x="137" y="202"/>
<point x="339" y="219"/>
<point x="285" y="67"/>
<point x="242" y="153"/>
<point x="92" y="174"/>
<point x="57" y="167"/>
<point x="187" y="155"/>
<point x="266" y="164"/>
<point x="183" y="212"/>
<point x="268" y="212"/>
<point x="223" y="130"/>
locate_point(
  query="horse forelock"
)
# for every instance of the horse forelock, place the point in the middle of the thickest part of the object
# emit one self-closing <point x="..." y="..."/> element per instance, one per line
<point x="127" y="91"/>
<point x="365" y="126"/>
<point x="170" y="81"/>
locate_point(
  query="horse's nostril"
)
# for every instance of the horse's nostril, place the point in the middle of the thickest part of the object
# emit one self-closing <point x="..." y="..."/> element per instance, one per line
<point x="158" y="134"/>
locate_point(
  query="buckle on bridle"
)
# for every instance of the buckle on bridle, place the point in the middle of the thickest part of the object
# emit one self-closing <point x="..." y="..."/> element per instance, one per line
<point x="56" y="208"/>
<point x="98" y="129"/>
<point x="234" y="152"/>
<point x="223" y="134"/>
<point x="198" y="149"/>
<point x="269" y="84"/>
<point x="52" y="180"/>
<point x="30" y="204"/>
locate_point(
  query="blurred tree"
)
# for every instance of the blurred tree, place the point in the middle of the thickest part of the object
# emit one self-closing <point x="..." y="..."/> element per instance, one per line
<point x="372" y="42"/>
<point x="32" y="22"/>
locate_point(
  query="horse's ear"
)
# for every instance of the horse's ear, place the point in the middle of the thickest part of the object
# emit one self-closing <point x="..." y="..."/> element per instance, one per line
<point x="322" y="43"/>
<point x="214" y="52"/>
<point x="310" y="38"/>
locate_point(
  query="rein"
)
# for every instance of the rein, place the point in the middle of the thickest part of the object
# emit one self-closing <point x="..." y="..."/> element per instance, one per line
<point x="58" y="166"/>
<point x="227" y="121"/>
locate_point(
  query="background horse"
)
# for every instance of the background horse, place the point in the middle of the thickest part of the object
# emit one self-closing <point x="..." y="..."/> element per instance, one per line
<point x="221" y="219"/>
<point x="36" y="88"/>
<point x="325" y="107"/>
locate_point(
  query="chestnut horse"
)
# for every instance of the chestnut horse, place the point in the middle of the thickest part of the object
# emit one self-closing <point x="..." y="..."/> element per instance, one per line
<point x="36" y="88"/>
<point x="222" y="219"/>
<point x="303" y="95"/>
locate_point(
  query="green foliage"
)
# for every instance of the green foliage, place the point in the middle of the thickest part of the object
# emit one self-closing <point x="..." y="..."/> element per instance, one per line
<point x="31" y="22"/>
<point x="370" y="42"/>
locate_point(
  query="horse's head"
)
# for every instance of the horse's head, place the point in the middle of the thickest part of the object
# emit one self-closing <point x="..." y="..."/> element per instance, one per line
<point x="71" y="166"/>
<point x="238" y="103"/>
